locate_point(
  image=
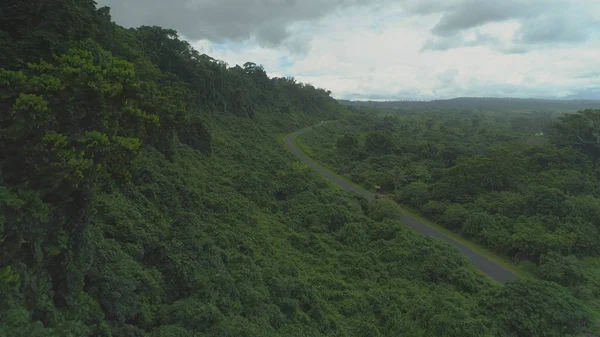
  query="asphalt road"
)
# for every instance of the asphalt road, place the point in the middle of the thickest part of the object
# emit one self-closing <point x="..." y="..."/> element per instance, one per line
<point x="492" y="269"/>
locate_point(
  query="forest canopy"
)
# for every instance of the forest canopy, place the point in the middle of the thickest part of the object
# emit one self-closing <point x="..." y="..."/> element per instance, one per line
<point x="145" y="191"/>
<point x="528" y="193"/>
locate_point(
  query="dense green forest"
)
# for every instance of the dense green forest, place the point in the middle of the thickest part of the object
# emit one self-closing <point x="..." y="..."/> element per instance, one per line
<point x="496" y="178"/>
<point x="145" y="191"/>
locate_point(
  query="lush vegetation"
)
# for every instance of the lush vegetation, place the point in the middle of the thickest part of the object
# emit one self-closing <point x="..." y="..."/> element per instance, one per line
<point x="144" y="191"/>
<point x="496" y="178"/>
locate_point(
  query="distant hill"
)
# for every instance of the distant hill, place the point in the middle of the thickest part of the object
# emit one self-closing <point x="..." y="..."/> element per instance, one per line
<point x="484" y="103"/>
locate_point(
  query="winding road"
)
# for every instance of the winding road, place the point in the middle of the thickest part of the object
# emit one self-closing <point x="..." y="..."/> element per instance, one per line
<point x="492" y="269"/>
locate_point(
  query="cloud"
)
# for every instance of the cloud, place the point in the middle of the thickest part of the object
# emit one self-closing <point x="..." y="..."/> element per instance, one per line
<point x="448" y="76"/>
<point x="459" y="23"/>
<point x="588" y="73"/>
<point x="539" y="24"/>
<point x="387" y="62"/>
<point x="460" y="40"/>
<point x="475" y="13"/>
<point x="267" y="21"/>
<point x="406" y="49"/>
<point x="553" y="28"/>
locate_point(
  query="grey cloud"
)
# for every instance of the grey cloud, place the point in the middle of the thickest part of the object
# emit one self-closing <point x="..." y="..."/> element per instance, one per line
<point x="459" y="15"/>
<point x="589" y="74"/>
<point x="298" y="44"/>
<point x="447" y="76"/>
<point x="407" y="94"/>
<point x="512" y="49"/>
<point x="424" y="7"/>
<point x="552" y="28"/>
<point x="271" y="22"/>
<point x="458" y="40"/>
<point x="543" y="24"/>
<point x="221" y="20"/>
<point x="474" y="13"/>
<point x="437" y="44"/>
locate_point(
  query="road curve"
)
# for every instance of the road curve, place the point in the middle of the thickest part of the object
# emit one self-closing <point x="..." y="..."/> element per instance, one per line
<point x="492" y="269"/>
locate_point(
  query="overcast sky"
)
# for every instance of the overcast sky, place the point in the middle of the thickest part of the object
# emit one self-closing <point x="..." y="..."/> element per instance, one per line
<point x="402" y="49"/>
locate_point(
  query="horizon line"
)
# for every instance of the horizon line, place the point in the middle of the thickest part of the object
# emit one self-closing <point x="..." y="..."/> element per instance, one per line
<point x="470" y="97"/>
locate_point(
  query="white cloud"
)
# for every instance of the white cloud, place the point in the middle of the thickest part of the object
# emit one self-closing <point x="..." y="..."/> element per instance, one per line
<point x="378" y="53"/>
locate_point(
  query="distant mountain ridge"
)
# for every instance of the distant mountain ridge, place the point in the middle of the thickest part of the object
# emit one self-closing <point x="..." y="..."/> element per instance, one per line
<point x="486" y="103"/>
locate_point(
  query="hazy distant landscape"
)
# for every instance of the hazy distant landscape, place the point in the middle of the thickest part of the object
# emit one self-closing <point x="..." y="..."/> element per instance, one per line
<point x="483" y="103"/>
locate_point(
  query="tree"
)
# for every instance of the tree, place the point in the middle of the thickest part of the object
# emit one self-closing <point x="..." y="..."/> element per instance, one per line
<point x="378" y="143"/>
<point x="69" y="121"/>
<point x="580" y="130"/>
<point x="347" y="144"/>
<point x="560" y="269"/>
<point x="531" y="308"/>
<point x="415" y="194"/>
<point x="39" y="29"/>
<point x="499" y="170"/>
<point x="399" y="177"/>
<point x="381" y="209"/>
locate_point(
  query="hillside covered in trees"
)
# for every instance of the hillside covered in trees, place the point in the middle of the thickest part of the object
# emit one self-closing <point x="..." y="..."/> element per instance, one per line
<point x="145" y="191"/>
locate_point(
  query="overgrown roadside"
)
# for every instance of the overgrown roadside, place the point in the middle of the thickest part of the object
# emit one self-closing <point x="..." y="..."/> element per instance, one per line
<point x="482" y="262"/>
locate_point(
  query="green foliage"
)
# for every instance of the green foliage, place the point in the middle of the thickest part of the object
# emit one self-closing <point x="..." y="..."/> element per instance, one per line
<point x="581" y="131"/>
<point x="69" y="121"/>
<point x="378" y="142"/>
<point x="381" y="209"/>
<point x="536" y="308"/>
<point x="143" y="193"/>
<point x="536" y="202"/>
<point x="563" y="270"/>
<point x="415" y="193"/>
